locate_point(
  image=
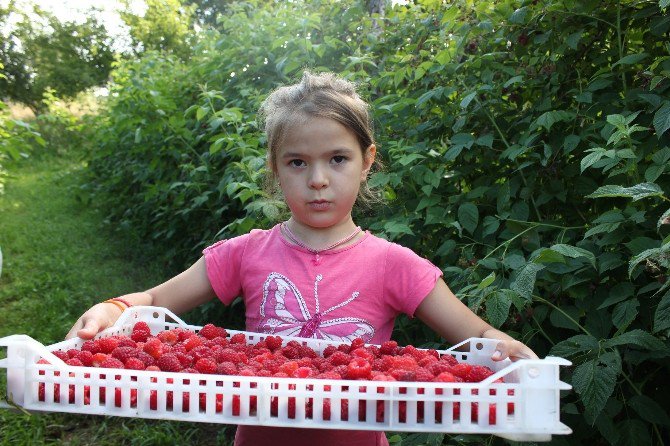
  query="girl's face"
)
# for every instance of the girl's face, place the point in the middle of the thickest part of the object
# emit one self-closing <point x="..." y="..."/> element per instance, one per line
<point x="320" y="168"/>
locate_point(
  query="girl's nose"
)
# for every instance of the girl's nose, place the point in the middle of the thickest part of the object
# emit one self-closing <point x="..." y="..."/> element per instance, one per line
<point x="317" y="179"/>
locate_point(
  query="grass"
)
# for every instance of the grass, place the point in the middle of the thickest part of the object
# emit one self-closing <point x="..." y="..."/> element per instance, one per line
<point x="59" y="259"/>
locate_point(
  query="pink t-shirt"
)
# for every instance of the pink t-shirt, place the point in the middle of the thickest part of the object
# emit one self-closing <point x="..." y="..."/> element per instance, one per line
<point x="354" y="291"/>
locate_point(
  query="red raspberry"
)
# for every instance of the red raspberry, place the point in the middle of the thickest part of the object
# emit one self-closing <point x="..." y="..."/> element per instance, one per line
<point x="478" y="373"/>
<point x="449" y="360"/>
<point x="405" y="363"/>
<point x="60" y="354"/>
<point x="146" y="358"/>
<point x="446" y="377"/>
<point x="288" y="367"/>
<point x="273" y="342"/>
<point x="329" y="351"/>
<point x="111" y="363"/>
<point x="141" y="326"/>
<point x="461" y="370"/>
<point x="107" y="345"/>
<point x="168" y="337"/>
<point x="140" y="335"/>
<point x="389" y="348"/>
<point x="358" y="368"/>
<point x="344" y="348"/>
<point x="74" y="362"/>
<point x="85" y="357"/>
<point x="125" y="341"/>
<point x="134" y="364"/>
<point x="184" y="359"/>
<point x="152" y="368"/>
<point x="307" y="352"/>
<point x="169" y="363"/>
<point x="427" y="361"/>
<point x="357" y="343"/>
<point x="303" y="372"/>
<point x="123" y="353"/>
<point x="423" y="375"/>
<point x="339" y="358"/>
<point x="403" y="375"/>
<point x="291" y="352"/>
<point x="205" y="365"/>
<point x="211" y="331"/>
<point x="193" y="342"/>
<point x="329" y="375"/>
<point x="227" y="355"/>
<point x="90" y="346"/>
<point x="154" y="347"/>
<point x="183" y="334"/>
<point x="98" y="359"/>
<point x="72" y="353"/>
<point x="238" y="338"/>
<point x="226" y="368"/>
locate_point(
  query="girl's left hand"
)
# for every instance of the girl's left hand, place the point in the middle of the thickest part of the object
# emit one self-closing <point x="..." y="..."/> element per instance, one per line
<point x="513" y="350"/>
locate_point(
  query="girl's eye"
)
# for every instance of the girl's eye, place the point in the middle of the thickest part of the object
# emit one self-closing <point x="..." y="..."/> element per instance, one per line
<point x="296" y="163"/>
<point x="339" y="159"/>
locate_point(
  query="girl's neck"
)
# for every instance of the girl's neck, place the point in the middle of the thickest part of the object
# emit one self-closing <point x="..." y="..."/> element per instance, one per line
<point x="317" y="238"/>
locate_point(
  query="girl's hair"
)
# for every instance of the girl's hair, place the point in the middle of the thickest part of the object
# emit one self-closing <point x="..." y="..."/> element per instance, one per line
<point x="323" y="95"/>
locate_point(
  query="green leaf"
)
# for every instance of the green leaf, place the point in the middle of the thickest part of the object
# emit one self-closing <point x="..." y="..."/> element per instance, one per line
<point x="497" y="307"/>
<point x="594" y="382"/>
<point x="549" y="256"/>
<point x="395" y="228"/>
<point x="573" y="252"/>
<point x="664" y="220"/>
<point x="486" y="281"/>
<point x="573" y="39"/>
<point x="633" y="433"/>
<point x="525" y="280"/>
<point x="637" y="337"/>
<point x="468" y="216"/>
<point x="599" y="229"/>
<point x="618" y="293"/>
<point x="636" y="192"/>
<point x="631" y="59"/>
<point x="649" y="410"/>
<point x="519" y="16"/>
<point x="662" y="315"/>
<point x="662" y="119"/>
<point x="593" y="157"/>
<point x="467" y="99"/>
<point x="653" y="172"/>
<point x="548" y="119"/>
<point x="624" y="313"/>
<point x="575" y="345"/>
<point x="644" y="255"/>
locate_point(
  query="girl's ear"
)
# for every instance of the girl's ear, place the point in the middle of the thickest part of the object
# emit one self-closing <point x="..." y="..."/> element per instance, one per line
<point x="368" y="160"/>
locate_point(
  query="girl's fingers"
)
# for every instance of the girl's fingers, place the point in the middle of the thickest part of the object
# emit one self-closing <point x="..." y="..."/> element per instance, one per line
<point x="513" y="350"/>
<point x="90" y="329"/>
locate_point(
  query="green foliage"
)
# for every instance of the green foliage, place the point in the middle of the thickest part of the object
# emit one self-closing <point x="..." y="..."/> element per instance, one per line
<point x="39" y="53"/>
<point x="527" y="145"/>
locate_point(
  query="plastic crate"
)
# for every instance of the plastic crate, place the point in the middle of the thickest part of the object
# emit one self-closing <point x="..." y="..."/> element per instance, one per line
<point x="533" y="386"/>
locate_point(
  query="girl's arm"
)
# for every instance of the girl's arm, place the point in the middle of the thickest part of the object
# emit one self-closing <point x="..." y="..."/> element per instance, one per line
<point x="181" y="293"/>
<point x="442" y="311"/>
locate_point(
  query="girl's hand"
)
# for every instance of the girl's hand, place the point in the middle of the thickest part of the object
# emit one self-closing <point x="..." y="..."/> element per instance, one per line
<point x="513" y="350"/>
<point x="94" y="320"/>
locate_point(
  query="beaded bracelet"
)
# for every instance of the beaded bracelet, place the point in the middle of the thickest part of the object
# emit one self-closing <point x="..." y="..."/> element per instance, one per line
<point x="118" y="304"/>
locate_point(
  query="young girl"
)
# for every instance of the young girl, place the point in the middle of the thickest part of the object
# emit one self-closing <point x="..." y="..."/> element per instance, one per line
<point x="317" y="274"/>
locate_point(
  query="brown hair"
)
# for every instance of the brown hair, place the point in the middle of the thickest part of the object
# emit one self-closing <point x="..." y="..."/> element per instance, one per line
<point x="323" y="95"/>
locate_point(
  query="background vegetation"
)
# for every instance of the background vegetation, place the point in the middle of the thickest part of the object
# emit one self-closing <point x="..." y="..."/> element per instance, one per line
<point x="527" y="155"/>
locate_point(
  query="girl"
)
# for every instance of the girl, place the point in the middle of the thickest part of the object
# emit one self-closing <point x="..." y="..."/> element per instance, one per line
<point x="317" y="274"/>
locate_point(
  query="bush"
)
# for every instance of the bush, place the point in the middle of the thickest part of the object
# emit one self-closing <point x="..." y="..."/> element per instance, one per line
<point x="527" y="148"/>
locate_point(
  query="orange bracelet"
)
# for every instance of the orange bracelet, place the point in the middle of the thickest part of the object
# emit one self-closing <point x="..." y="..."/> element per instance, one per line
<point x="119" y="305"/>
<point x="123" y="301"/>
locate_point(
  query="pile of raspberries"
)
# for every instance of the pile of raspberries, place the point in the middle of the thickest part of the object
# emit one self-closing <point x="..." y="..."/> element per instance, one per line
<point x="213" y="351"/>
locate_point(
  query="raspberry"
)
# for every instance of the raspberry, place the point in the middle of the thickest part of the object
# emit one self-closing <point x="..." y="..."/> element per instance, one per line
<point x="90" y="346"/>
<point x="133" y="364"/>
<point x="273" y="342"/>
<point x="154" y="347"/>
<point x="140" y="335"/>
<point x="107" y="345"/>
<point x="357" y="343"/>
<point x="74" y="362"/>
<point x="123" y="353"/>
<point x="449" y="360"/>
<point x="303" y="372"/>
<point x="288" y="367"/>
<point x="111" y="363"/>
<point x="405" y="363"/>
<point x="211" y="331"/>
<point x="291" y="352"/>
<point x="403" y="375"/>
<point x="238" y="338"/>
<point x="169" y="363"/>
<point x="226" y="368"/>
<point x="86" y="357"/>
<point x="71" y="353"/>
<point x="60" y="354"/>
<point x="478" y="373"/>
<point x="328" y="351"/>
<point x="205" y="365"/>
<point x="141" y="326"/>
<point x="227" y="355"/>
<point x="329" y="375"/>
<point x="389" y="348"/>
<point x="193" y="342"/>
<point x="183" y="334"/>
<point x="125" y="341"/>
<point x="446" y="377"/>
<point x="146" y="358"/>
<point x="423" y="375"/>
<point x="184" y="359"/>
<point x="461" y="370"/>
<point x="98" y="359"/>
<point x="363" y="353"/>
<point x="339" y="358"/>
<point x="358" y="368"/>
<point x="427" y="360"/>
<point x="168" y="337"/>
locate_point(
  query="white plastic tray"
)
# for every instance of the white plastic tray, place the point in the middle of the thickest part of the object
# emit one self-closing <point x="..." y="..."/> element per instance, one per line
<point x="533" y="386"/>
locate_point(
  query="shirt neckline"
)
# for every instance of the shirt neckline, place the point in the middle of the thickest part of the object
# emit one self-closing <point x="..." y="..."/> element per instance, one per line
<point x="277" y="232"/>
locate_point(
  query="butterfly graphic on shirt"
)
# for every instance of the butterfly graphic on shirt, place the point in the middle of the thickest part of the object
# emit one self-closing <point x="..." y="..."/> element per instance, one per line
<point x="284" y="312"/>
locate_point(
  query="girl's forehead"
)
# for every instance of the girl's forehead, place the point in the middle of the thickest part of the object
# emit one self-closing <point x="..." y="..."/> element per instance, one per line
<point x="319" y="131"/>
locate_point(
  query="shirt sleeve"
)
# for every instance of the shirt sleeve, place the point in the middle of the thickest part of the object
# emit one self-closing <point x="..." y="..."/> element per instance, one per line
<point x="223" y="260"/>
<point x="408" y="278"/>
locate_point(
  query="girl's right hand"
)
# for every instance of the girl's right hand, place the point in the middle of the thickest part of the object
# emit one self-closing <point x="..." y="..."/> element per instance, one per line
<point x="94" y="320"/>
